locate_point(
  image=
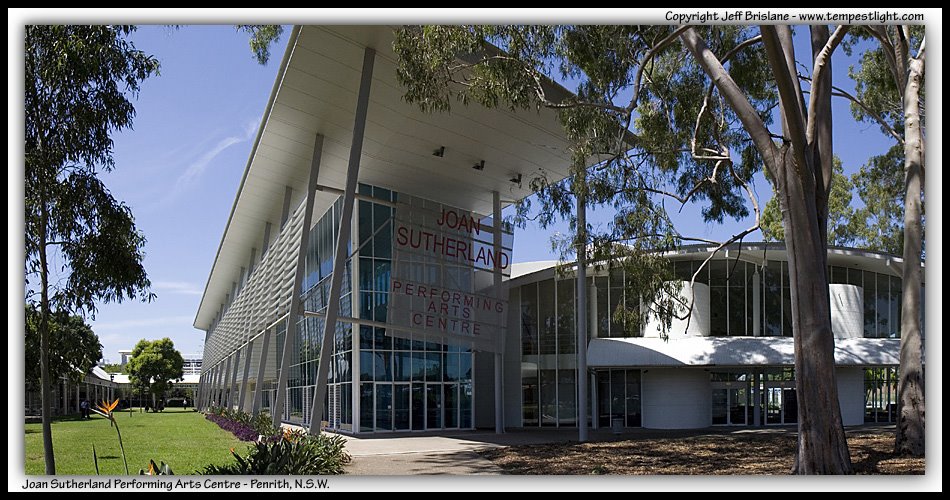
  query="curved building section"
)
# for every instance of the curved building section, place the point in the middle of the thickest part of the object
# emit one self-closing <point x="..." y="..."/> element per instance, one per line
<point x="730" y="363"/>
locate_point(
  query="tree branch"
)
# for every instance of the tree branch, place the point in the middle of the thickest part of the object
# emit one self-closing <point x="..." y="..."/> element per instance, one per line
<point x="794" y="120"/>
<point x="646" y="59"/>
<point x="838" y="92"/>
<point x="880" y="32"/>
<point x="821" y="83"/>
<point x="751" y="120"/>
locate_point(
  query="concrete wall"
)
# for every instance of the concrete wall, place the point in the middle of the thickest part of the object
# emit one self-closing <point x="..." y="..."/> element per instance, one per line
<point x="851" y="395"/>
<point x="698" y="323"/>
<point x="676" y="398"/>
<point x="847" y="311"/>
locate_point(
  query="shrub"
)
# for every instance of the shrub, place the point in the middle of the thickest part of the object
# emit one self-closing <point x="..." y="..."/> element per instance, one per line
<point x="297" y="453"/>
<point x="244" y="432"/>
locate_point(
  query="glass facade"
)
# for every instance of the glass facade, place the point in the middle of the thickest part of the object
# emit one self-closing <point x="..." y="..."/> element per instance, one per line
<point x="549" y="351"/>
<point x="376" y="383"/>
<point x="618" y="397"/>
<point x="731" y="297"/>
<point x="548" y="342"/>
<point x="404" y="384"/>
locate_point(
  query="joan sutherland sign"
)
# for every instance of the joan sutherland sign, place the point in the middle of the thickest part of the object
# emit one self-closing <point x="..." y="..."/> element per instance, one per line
<point x="442" y="283"/>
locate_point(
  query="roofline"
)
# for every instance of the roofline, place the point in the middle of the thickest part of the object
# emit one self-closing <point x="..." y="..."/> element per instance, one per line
<point x="281" y="72"/>
<point x="704" y="247"/>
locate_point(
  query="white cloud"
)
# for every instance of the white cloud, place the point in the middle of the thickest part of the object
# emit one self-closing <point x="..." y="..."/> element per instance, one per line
<point x="178" y="287"/>
<point x="197" y="167"/>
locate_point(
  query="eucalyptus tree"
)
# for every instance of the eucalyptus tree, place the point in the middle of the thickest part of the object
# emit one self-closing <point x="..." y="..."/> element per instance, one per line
<point x="890" y="92"/>
<point x="667" y="112"/>
<point x="81" y="243"/>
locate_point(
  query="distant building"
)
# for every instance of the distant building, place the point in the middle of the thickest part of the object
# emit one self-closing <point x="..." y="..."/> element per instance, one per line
<point x="191" y="366"/>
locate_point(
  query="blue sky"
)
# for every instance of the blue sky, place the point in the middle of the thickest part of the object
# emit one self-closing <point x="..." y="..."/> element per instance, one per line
<point x="180" y="166"/>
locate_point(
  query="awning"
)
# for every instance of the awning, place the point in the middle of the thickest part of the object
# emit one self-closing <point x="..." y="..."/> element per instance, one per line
<point x="731" y="351"/>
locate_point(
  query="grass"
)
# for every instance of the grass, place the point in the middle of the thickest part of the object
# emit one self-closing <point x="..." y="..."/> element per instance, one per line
<point x="770" y="453"/>
<point x="181" y="438"/>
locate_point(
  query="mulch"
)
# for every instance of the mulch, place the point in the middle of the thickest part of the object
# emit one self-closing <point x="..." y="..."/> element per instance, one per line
<point x="728" y="453"/>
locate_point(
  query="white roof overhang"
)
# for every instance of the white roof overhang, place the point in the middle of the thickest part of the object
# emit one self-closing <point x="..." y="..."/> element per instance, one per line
<point x="731" y="352"/>
<point x="316" y="92"/>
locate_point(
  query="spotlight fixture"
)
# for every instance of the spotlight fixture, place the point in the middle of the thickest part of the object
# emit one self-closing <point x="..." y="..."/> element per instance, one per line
<point x="479" y="166"/>
<point x="439" y="152"/>
<point x="516" y="179"/>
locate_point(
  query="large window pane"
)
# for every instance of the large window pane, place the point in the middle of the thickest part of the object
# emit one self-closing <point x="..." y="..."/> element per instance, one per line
<point x="401" y="406"/>
<point x="548" y="397"/>
<point x="529" y="319"/>
<point x="870" y="301"/>
<point x="546" y="319"/>
<point x="366" y="407"/>
<point x="567" y="398"/>
<point x="882" y="306"/>
<point x="603" y="307"/>
<point x="566" y="339"/>
<point x="384" y="407"/>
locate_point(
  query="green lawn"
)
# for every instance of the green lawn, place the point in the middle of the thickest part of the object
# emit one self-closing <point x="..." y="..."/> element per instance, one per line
<point x="182" y="438"/>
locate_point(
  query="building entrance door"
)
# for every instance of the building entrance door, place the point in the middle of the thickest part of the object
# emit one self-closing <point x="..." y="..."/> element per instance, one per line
<point x="433" y="406"/>
<point x="731" y="405"/>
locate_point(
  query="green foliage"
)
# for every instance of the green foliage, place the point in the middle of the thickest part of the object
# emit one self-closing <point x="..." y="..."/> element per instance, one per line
<point x="74" y="348"/>
<point x="644" y="126"/>
<point x="842" y="217"/>
<point x="77" y="82"/>
<point x="157" y="470"/>
<point x="156" y="365"/>
<point x="879" y="225"/>
<point x="262" y="36"/>
<point x="112" y="368"/>
<point x="874" y="81"/>
<point x="297" y="453"/>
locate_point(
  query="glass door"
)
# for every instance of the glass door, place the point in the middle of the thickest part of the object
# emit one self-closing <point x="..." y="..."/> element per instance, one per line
<point x="720" y="406"/>
<point x="418" y="411"/>
<point x="433" y="406"/>
<point x="401" y="405"/>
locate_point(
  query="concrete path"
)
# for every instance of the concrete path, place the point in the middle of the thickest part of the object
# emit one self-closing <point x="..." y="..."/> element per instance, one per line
<point x="418" y="455"/>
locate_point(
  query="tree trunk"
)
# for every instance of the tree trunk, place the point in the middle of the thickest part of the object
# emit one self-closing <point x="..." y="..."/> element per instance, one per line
<point x="46" y="386"/>
<point x="909" y="438"/>
<point x="822" y="447"/>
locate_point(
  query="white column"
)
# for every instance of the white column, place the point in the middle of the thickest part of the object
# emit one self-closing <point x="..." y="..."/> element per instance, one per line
<point x="225" y="392"/>
<point x="581" y="308"/>
<point x="296" y="308"/>
<point x="339" y="254"/>
<point x="259" y="384"/>
<point x="232" y="387"/>
<point x="500" y="343"/>
<point x="248" y="351"/>
<point x="756" y="398"/>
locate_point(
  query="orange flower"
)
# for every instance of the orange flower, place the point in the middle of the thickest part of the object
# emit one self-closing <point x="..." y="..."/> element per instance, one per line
<point x="151" y="468"/>
<point x="107" y="408"/>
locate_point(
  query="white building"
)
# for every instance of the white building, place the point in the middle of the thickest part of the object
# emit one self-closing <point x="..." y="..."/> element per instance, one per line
<point x="434" y="328"/>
